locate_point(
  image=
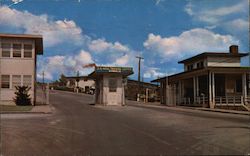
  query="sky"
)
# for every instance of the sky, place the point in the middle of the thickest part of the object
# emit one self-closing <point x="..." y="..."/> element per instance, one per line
<point x="114" y="32"/>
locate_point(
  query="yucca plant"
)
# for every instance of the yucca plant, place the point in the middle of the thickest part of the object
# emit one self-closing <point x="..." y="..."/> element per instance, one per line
<point x="22" y="97"/>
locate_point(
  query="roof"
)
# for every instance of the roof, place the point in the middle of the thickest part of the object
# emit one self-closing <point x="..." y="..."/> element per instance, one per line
<point x="101" y="70"/>
<point x="38" y="40"/>
<point x="80" y="77"/>
<point x="144" y="83"/>
<point x="191" y="73"/>
<point x="214" y="54"/>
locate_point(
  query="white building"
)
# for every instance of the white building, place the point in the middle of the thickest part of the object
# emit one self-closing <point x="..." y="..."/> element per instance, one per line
<point x="109" y="84"/>
<point x="18" y="55"/>
<point x="85" y="84"/>
<point x="210" y="79"/>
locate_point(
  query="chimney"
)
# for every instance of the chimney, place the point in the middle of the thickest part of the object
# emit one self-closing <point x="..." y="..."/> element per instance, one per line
<point x="233" y="49"/>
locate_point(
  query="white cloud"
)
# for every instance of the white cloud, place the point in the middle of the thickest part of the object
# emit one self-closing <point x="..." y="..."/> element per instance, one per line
<point x="189" y="9"/>
<point x="153" y="73"/>
<point x="54" y="32"/>
<point x="101" y="45"/>
<point x="68" y="64"/>
<point x="222" y="11"/>
<point x="215" y="15"/>
<point x="188" y="43"/>
<point x="237" y="25"/>
<point x="122" y="61"/>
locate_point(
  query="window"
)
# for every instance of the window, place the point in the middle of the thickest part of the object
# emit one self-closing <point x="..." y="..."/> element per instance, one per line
<point x="6" y="49"/>
<point x="27" y="51"/>
<point x="5" y="81"/>
<point x="17" y="50"/>
<point x="200" y="64"/>
<point x="16" y="81"/>
<point x="190" y="67"/>
<point x="27" y="79"/>
<point x="112" y="85"/>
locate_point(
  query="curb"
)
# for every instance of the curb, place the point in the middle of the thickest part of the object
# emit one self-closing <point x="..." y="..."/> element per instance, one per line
<point x="16" y="112"/>
<point x="190" y="108"/>
<point x="225" y="111"/>
<point x="28" y="112"/>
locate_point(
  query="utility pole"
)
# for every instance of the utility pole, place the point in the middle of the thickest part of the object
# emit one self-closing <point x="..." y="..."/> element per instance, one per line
<point x="43" y="80"/>
<point x="43" y="89"/>
<point x="139" y="72"/>
<point x="77" y="81"/>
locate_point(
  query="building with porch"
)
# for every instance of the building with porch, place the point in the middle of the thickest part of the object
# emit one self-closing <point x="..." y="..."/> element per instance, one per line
<point x="210" y="79"/>
<point x="18" y="54"/>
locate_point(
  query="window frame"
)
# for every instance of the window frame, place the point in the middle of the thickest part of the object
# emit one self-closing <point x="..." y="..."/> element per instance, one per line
<point x="19" y="82"/>
<point x="5" y="81"/>
<point x="113" y="84"/>
<point x="17" y="50"/>
<point x="5" y="49"/>
<point x="29" y="84"/>
<point x="27" y="50"/>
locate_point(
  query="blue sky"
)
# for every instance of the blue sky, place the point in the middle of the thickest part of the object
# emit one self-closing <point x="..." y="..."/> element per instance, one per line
<point x="113" y="32"/>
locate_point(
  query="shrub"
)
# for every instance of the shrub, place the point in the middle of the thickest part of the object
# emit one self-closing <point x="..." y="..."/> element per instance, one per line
<point x="22" y="97"/>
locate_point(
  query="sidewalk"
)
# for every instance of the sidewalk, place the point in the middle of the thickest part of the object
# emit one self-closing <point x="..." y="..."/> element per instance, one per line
<point x="185" y="108"/>
<point x="42" y="109"/>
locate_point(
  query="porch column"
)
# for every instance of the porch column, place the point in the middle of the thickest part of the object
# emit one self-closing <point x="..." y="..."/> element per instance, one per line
<point x="180" y="93"/>
<point x="194" y="88"/>
<point x="213" y="89"/>
<point x="197" y="86"/>
<point x="244" y="85"/>
<point x="210" y="90"/>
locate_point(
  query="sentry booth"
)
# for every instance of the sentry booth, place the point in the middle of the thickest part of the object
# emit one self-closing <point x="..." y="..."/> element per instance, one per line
<point x="109" y="84"/>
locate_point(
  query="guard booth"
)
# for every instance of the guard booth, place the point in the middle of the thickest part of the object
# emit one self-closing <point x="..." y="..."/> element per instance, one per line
<point x="109" y="84"/>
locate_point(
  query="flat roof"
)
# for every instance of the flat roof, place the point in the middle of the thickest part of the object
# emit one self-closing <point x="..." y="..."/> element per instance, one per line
<point x="38" y="40"/>
<point x="101" y="70"/>
<point x="231" y="70"/>
<point x="214" y="54"/>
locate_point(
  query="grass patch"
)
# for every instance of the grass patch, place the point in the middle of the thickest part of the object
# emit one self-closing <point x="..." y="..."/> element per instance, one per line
<point x="7" y="108"/>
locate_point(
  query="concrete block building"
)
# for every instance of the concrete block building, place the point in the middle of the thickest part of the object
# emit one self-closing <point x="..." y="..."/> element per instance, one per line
<point x="109" y="84"/>
<point x="18" y="54"/>
<point x="210" y="79"/>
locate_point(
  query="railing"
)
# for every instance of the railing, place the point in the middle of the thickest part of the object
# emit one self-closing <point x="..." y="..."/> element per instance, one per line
<point x="219" y="101"/>
<point x="229" y="100"/>
<point x="247" y="100"/>
<point x="198" y="101"/>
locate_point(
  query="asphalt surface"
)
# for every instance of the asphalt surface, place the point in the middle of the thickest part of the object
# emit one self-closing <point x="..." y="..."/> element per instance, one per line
<point x="76" y="127"/>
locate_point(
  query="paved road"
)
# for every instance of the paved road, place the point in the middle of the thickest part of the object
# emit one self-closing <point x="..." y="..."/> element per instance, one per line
<point x="79" y="128"/>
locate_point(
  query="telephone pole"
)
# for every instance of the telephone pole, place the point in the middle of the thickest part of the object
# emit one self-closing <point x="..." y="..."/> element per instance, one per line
<point x="139" y="72"/>
<point x="43" y="80"/>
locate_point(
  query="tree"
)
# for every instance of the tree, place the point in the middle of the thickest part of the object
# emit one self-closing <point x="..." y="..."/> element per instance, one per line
<point x="22" y="97"/>
<point x="62" y="80"/>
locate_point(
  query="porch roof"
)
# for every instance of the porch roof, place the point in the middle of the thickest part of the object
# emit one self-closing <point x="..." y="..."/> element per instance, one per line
<point x="203" y="71"/>
<point x="214" y="54"/>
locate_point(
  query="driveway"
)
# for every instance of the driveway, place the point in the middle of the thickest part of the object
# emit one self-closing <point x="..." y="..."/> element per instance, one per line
<point x="78" y="128"/>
